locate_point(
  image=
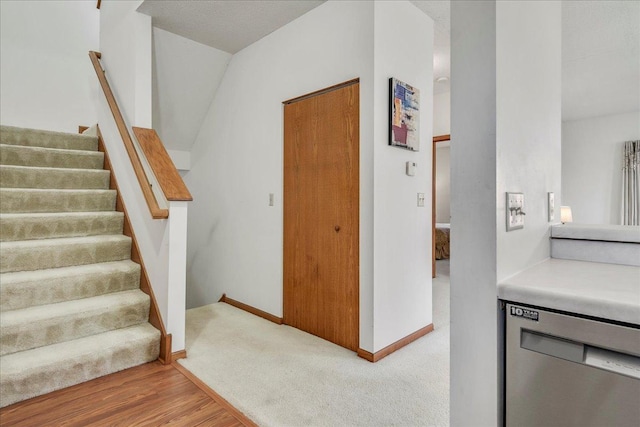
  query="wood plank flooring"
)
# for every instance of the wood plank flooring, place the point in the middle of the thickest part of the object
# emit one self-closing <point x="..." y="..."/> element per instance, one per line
<point x="148" y="395"/>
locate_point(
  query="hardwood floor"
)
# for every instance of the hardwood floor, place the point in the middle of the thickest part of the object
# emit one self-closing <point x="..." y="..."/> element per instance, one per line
<point x="148" y="395"/>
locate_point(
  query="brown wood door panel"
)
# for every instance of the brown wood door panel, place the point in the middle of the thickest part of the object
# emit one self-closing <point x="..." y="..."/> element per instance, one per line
<point x="321" y="223"/>
<point x="300" y="217"/>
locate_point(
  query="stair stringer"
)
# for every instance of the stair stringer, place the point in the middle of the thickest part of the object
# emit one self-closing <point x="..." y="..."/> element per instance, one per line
<point x="155" y="317"/>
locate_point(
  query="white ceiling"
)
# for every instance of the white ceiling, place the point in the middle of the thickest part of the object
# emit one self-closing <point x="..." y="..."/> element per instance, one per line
<point x="600" y="42"/>
<point x="440" y="12"/>
<point x="226" y="25"/>
<point x="600" y="58"/>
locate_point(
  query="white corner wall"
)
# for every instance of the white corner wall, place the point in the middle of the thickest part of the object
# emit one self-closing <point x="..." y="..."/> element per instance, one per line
<point x="186" y="75"/>
<point x="235" y="238"/>
<point x="46" y="77"/>
<point x="506" y="130"/>
<point x="402" y="230"/>
<point x="591" y="165"/>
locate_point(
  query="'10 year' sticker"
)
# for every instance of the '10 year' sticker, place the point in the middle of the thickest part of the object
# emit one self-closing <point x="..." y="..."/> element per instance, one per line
<point x="524" y="313"/>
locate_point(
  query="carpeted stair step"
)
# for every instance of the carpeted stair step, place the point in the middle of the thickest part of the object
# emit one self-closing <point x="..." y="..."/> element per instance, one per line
<point x="44" y="138"/>
<point x="39" y="177"/>
<point x="42" y="370"/>
<point x="71" y="308"/>
<point x="28" y="255"/>
<point x="23" y="200"/>
<point x="43" y="325"/>
<point x="32" y="226"/>
<point x="24" y="289"/>
<point x="50" y="157"/>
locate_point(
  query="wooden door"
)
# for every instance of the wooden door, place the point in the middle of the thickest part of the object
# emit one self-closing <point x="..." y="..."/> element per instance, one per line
<point x="321" y="214"/>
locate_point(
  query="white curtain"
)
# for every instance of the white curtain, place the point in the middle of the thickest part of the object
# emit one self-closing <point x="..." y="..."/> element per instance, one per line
<point x="631" y="183"/>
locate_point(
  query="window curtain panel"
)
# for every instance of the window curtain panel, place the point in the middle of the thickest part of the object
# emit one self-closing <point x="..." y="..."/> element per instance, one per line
<point x="631" y="183"/>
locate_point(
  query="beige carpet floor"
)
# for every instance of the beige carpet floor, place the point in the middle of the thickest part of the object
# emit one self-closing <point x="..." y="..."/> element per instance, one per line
<point x="280" y="376"/>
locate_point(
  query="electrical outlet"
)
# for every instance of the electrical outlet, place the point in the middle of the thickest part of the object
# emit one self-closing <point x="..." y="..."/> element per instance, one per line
<point x="271" y="199"/>
<point x="421" y="200"/>
<point x="552" y="206"/>
<point x="515" y="211"/>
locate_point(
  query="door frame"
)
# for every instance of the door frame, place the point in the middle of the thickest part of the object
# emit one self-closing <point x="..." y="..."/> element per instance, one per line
<point x="436" y="139"/>
<point x="355" y="81"/>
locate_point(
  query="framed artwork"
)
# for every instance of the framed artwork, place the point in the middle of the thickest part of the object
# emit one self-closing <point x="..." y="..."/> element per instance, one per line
<point x="404" y="115"/>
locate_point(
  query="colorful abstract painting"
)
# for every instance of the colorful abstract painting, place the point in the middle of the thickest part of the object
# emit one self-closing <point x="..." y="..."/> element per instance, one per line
<point x="404" y="122"/>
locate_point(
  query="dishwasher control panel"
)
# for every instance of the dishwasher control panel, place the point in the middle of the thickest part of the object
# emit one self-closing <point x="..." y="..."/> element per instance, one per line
<point x="613" y="361"/>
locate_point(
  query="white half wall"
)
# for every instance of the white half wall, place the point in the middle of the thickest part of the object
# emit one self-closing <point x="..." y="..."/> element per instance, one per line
<point x="592" y="165"/>
<point x="186" y="75"/>
<point x="235" y="237"/>
<point x="402" y="230"/>
<point x="506" y="130"/>
<point x="46" y="77"/>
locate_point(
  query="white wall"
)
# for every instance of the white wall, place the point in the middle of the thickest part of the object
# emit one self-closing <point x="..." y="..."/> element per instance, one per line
<point x="591" y="165"/>
<point x="125" y="44"/>
<point x="529" y="126"/>
<point x="442" y="114"/>
<point x="505" y="131"/>
<point x="473" y="345"/>
<point x="402" y="231"/>
<point x="235" y="238"/>
<point x="186" y="75"/>
<point x="46" y="77"/>
<point x="443" y="183"/>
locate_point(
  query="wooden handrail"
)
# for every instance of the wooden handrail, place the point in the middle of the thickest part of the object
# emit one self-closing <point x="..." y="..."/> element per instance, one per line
<point x="162" y="166"/>
<point x="145" y="185"/>
<point x="441" y="138"/>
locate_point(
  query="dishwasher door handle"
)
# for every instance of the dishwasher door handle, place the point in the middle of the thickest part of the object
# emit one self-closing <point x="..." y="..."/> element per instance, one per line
<point x="597" y="357"/>
<point x="552" y="346"/>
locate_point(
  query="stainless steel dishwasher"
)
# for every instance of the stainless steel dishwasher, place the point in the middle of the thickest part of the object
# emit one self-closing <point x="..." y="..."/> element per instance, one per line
<point x="563" y="370"/>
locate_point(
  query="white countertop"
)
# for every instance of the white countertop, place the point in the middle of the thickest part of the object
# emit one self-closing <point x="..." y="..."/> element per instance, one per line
<point x="607" y="291"/>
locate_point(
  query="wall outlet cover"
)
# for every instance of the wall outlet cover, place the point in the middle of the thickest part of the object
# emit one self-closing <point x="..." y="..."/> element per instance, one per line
<point x="551" y="203"/>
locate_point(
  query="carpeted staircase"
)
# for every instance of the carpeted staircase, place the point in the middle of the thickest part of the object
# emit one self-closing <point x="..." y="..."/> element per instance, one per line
<point x="70" y="305"/>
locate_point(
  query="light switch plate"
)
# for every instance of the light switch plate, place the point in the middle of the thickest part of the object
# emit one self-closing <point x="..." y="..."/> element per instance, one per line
<point x="515" y="211"/>
<point x="552" y="206"/>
